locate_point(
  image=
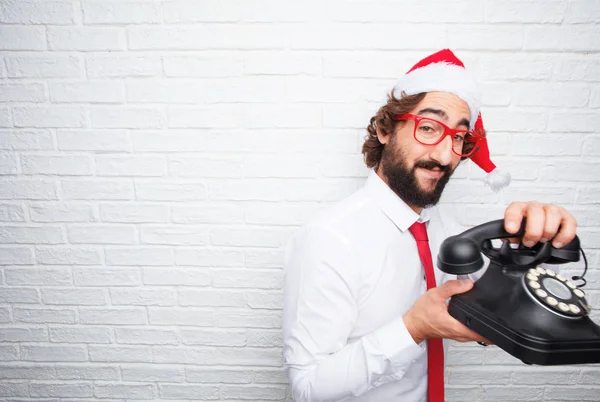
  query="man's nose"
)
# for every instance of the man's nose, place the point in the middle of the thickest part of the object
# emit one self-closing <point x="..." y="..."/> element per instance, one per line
<point x="442" y="152"/>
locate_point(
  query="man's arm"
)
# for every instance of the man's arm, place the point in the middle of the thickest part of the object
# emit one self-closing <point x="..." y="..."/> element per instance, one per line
<point x="320" y="309"/>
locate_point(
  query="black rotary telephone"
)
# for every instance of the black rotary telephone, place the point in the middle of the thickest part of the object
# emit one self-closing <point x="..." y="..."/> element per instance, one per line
<point x="533" y="313"/>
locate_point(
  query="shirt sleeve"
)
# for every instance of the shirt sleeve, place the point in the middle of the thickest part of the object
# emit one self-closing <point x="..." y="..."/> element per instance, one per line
<point x="320" y="310"/>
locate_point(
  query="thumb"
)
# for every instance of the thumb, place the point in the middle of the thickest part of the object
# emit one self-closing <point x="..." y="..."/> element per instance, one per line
<point x="454" y="287"/>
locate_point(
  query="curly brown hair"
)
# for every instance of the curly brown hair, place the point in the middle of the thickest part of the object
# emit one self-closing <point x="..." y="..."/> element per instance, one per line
<point x="372" y="149"/>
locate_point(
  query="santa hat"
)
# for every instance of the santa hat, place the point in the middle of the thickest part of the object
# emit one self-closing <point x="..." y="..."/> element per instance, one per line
<point x="444" y="72"/>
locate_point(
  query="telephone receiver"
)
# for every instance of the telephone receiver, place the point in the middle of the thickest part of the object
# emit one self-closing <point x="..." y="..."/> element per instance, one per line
<point x="532" y="312"/>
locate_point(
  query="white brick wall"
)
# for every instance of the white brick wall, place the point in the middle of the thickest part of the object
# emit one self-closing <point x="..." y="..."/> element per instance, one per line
<point x="156" y="154"/>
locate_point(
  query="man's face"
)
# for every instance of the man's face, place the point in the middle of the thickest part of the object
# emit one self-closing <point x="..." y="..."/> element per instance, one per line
<point x="418" y="173"/>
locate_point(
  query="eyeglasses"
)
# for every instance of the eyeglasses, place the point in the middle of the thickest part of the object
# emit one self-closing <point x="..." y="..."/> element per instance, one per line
<point x="431" y="132"/>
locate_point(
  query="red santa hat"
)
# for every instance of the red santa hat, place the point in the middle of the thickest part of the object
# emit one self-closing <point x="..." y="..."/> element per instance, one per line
<point x="444" y="72"/>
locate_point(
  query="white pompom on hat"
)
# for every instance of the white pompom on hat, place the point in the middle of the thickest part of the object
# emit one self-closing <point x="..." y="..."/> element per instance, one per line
<point x="444" y="72"/>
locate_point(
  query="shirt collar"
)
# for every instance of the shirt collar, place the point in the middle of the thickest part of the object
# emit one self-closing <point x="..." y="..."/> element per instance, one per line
<point x="393" y="206"/>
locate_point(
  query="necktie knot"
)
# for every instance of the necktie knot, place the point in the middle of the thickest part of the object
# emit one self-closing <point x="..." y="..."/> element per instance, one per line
<point x="419" y="231"/>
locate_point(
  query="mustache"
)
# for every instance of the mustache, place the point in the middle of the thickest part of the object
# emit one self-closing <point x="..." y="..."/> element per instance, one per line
<point x="432" y="165"/>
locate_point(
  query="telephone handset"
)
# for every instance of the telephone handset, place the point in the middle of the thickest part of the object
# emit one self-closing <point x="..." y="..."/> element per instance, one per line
<point x="533" y="313"/>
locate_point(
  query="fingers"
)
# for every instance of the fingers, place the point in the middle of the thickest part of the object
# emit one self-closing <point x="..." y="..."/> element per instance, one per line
<point x="544" y="222"/>
<point x="453" y="287"/>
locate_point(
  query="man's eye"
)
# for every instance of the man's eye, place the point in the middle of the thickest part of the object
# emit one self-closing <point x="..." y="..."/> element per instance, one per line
<point x="459" y="138"/>
<point x="427" y="129"/>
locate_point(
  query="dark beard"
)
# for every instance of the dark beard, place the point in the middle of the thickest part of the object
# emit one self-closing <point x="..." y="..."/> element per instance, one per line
<point x="403" y="180"/>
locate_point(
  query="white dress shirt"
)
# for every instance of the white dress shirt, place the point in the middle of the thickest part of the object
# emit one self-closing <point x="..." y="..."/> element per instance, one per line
<point x="350" y="275"/>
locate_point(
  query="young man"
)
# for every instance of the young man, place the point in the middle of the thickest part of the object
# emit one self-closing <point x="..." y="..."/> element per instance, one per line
<point x="359" y="321"/>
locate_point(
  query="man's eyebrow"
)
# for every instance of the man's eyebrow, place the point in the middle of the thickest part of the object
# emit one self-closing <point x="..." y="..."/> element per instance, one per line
<point x="444" y="115"/>
<point x="437" y="112"/>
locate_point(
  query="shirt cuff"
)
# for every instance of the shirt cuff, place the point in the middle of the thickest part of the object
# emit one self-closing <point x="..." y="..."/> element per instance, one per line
<point x="397" y="345"/>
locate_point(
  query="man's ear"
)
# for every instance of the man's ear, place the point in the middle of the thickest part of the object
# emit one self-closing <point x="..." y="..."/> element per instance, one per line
<point x="383" y="138"/>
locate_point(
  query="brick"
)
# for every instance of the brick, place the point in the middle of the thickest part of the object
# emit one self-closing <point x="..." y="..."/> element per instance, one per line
<point x="84" y="372"/>
<point x="475" y="375"/>
<point x="5" y="316"/>
<point x="120" y="354"/>
<point x="24" y="371"/>
<point x="525" y="11"/>
<point x="25" y="140"/>
<point x="179" y="355"/>
<point x="76" y="297"/>
<point x="87" y="92"/>
<point x="14" y="389"/>
<point x="561" y="95"/>
<point x="213" y="90"/>
<point x="209" y="116"/>
<point x="288" y="166"/>
<point x="211" y="297"/>
<point x="23" y="334"/>
<point x="212" y="375"/>
<point x="455" y="393"/>
<point x="105" y="234"/>
<point x="132" y="391"/>
<point x="31" y="12"/>
<point x="35" y="66"/>
<point x="575" y="38"/>
<point x="87" y="39"/>
<point x="68" y="256"/>
<point x="246" y="190"/>
<point x="146" y="337"/>
<point x="12" y="213"/>
<point x="242" y="278"/>
<point x="130" y="166"/>
<point x="93" y="140"/>
<point x="576" y="172"/>
<point x="266" y="62"/>
<point x="514" y="67"/>
<point x="62" y="116"/>
<point x="57" y="353"/>
<point x="249" y="319"/>
<point x="145" y="255"/>
<point x="578" y="70"/>
<point x="171" y="190"/>
<point x="153" y="374"/>
<point x="588" y="195"/>
<point x="120" y="276"/>
<point x="126" y="117"/>
<point x="61" y="212"/>
<point x="209" y="257"/>
<point x="206" y="166"/>
<point x="340" y="116"/>
<point x="80" y="335"/>
<point x="113" y="316"/>
<point x="264" y="258"/>
<point x="37" y="276"/>
<point x="120" y="12"/>
<point x="256" y="392"/>
<point x="176" y="277"/>
<point x="8" y="164"/>
<point x="213" y="337"/>
<point x="263" y="338"/>
<point x="509" y="121"/>
<point x="545" y="375"/>
<point x="583" y="12"/>
<point x="32" y="189"/>
<point x="6" y="119"/>
<point x="342" y="166"/>
<point x="265" y="300"/>
<point x="32" y="235"/>
<point x="201" y="392"/>
<point x="143" y="297"/>
<point x="246" y="357"/>
<point x="505" y="393"/>
<point x="22" y="92"/>
<point x="270" y="376"/>
<point x="122" y="65"/>
<point x="171" y="141"/>
<point x="175" y="235"/>
<point x="134" y="213"/>
<point x="589" y="377"/>
<point x="553" y="145"/>
<point x="19" y="295"/>
<point x="211" y="65"/>
<point x="44" y="316"/>
<point x="64" y="165"/>
<point x="186" y="317"/>
<point x="97" y="189"/>
<point x="577" y="393"/>
<point x="207" y="213"/>
<point x="9" y="353"/>
<point x="208" y="36"/>
<point x="351" y="36"/>
<point x="251" y="237"/>
<point x="18" y="255"/>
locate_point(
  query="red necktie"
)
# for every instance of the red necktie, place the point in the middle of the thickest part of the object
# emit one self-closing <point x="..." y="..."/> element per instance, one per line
<point x="435" y="346"/>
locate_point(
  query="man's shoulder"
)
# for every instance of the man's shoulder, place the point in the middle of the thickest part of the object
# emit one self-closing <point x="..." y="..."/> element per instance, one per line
<point x="346" y="212"/>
